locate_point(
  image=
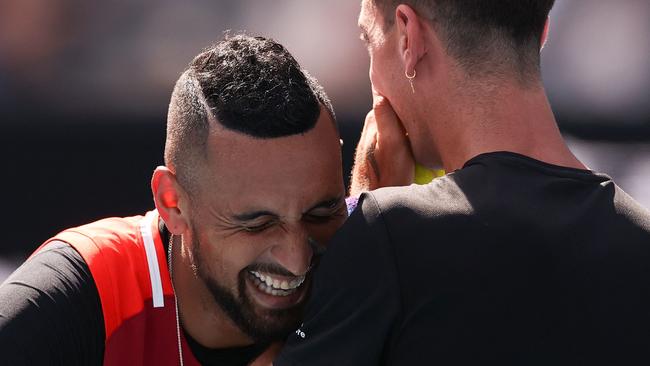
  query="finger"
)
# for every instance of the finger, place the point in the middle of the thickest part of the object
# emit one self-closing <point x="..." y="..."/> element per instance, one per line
<point x="375" y="93"/>
<point x="369" y="126"/>
<point x="380" y="103"/>
<point x="386" y="119"/>
<point x="370" y="157"/>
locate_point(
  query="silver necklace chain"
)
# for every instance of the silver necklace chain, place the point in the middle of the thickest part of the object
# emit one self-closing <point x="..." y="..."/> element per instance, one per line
<point x="171" y="279"/>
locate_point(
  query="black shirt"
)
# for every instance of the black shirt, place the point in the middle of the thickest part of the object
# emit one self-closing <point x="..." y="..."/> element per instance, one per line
<point x="50" y="314"/>
<point x="507" y="261"/>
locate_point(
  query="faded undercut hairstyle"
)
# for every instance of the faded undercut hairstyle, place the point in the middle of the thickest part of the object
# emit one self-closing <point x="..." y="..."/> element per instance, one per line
<point x="485" y="37"/>
<point x="251" y="85"/>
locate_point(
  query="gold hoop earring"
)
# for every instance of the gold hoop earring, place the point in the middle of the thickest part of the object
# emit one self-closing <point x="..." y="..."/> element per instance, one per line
<point x="410" y="78"/>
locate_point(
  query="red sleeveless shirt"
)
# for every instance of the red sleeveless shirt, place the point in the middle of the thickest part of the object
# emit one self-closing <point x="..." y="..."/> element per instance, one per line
<point x="126" y="257"/>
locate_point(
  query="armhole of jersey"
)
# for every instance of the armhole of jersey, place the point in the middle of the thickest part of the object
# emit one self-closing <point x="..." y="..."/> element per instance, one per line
<point x="124" y="291"/>
<point x="87" y="248"/>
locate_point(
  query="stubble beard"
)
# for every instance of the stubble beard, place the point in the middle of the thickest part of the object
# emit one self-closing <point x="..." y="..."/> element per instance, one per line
<point x="261" y="325"/>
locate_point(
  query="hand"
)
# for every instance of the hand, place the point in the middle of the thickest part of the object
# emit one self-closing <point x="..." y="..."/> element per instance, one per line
<point x="383" y="157"/>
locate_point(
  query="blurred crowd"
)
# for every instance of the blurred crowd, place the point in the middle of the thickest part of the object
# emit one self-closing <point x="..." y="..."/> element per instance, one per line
<point x="78" y="63"/>
<point x="77" y="57"/>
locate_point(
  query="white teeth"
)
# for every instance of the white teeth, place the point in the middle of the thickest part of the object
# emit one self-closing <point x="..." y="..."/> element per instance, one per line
<point x="297" y="282"/>
<point x="277" y="287"/>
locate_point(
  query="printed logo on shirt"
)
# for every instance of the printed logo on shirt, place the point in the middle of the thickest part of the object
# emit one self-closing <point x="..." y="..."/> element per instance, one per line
<point x="300" y="333"/>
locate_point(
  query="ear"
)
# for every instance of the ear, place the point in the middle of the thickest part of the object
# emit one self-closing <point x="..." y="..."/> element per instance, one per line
<point x="412" y="45"/>
<point x="544" y="38"/>
<point x="166" y="195"/>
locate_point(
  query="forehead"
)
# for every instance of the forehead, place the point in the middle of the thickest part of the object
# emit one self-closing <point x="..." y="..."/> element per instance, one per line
<point x="369" y="17"/>
<point x="364" y="13"/>
<point x="285" y="171"/>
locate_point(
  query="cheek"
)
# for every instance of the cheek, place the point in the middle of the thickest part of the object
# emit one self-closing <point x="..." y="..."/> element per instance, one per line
<point x="381" y="74"/>
<point x="324" y="233"/>
<point x="375" y="75"/>
<point x="226" y="256"/>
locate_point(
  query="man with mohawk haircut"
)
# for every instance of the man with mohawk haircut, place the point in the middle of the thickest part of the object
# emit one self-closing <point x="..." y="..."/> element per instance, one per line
<point x="219" y="272"/>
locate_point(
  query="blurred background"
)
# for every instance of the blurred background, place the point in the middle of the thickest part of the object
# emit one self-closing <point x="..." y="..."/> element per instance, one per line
<point x="84" y="89"/>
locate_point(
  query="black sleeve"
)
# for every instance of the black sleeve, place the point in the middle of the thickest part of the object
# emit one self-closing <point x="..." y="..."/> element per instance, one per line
<point x="50" y="311"/>
<point x="355" y="297"/>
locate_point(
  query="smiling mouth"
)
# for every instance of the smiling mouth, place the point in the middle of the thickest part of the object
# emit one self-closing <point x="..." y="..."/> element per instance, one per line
<point x="276" y="286"/>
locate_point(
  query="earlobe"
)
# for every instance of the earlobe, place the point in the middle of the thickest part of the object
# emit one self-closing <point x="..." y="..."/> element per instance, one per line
<point x="166" y="194"/>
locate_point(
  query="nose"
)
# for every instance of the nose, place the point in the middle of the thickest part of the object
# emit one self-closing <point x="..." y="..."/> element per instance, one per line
<point x="294" y="253"/>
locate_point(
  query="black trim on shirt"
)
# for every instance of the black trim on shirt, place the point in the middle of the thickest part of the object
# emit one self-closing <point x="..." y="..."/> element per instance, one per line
<point x="51" y="314"/>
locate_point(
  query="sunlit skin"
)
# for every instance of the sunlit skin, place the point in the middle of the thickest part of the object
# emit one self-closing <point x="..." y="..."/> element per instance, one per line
<point x="451" y="115"/>
<point x="391" y="56"/>
<point x="259" y="203"/>
<point x="384" y="68"/>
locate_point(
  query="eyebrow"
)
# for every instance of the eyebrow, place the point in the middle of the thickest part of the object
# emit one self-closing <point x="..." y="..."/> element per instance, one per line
<point x="249" y="216"/>
<point x="362" y="27"/>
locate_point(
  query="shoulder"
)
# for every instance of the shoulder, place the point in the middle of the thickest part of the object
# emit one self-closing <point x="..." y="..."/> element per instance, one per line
<point x="109" y="243"/>
<point x="54" y="275"/>
<point x="107" y="232"/>
<point x="442" y="195"/>
<point x="435" y="203"/>
<point x="630" y="210"/>
<point x="50" y="306"/>
<point x="53" y="264"/>
<point x="124" y="256"/>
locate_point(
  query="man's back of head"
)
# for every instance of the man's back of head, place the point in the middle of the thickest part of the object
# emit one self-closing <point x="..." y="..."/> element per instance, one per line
<point x="519" y="255"/>
<point x="485" y="37"/>
<point x="464" y="77"/>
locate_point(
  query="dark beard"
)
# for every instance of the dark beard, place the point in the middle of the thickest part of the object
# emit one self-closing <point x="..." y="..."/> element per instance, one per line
<point x="271" y="325"/>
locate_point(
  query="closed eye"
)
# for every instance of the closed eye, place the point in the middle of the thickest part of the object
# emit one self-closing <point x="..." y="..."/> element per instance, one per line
<point x="256" y="228"/>
<point x="315" y="219"/>
<point x="326" y="213"/>
<point x="255" y="221"/>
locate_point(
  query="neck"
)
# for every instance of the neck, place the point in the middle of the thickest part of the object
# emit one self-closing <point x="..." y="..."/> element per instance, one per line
<point x="202" y="318"/>
<point x="498" y="116"/>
